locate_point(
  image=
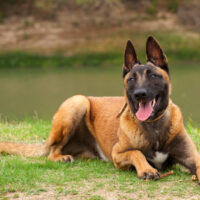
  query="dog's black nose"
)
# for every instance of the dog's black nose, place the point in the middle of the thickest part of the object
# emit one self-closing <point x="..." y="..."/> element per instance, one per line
<point x="140" y="94"/>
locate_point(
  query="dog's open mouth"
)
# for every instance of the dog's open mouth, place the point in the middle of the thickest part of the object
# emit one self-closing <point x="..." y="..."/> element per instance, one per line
<point x="145" y="109"/>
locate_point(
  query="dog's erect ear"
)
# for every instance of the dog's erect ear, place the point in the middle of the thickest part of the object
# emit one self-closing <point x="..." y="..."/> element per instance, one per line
<point x="130" y="58"/>
<point x="155" y="54"/>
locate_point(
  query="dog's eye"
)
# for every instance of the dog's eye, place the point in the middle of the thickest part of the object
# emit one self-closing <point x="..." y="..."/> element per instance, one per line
<point x="155" y="76"/>
<point x="131" y="79"/>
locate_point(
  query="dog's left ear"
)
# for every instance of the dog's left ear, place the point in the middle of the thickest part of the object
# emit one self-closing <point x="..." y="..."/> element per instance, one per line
<point x="130" y="58"/>
<point x="155" y="54"/>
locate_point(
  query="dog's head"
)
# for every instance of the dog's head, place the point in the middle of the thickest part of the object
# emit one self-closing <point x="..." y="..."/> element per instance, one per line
<point x="147" y="87"/>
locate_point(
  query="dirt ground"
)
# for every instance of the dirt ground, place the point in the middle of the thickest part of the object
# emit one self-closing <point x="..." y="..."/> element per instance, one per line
<point x="100" y="194"/>
<point x="65" y="27"/>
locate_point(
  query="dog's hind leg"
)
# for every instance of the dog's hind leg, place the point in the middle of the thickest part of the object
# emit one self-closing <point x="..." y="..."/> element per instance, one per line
<point x="65" y="122"/>
<point x="184" y="151"/>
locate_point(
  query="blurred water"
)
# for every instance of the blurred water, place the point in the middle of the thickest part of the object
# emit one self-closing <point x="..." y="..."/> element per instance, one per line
<point x="38" y="93"/>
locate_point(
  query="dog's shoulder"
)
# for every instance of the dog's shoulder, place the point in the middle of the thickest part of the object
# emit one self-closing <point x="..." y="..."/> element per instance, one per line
<point x="131" y="130"/>
<point x="176" y="128"/>
<point x="175" y="117"/>
<point x="128" y="123"/>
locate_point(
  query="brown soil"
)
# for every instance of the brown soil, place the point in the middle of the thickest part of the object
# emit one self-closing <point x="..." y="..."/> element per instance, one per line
<point x="67" y="27"/>
<point x="88" y="192"/>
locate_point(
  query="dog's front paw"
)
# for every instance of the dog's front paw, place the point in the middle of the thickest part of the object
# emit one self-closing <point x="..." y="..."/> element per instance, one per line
<point x="150" y="173"/>
<point x="62" y="158"/>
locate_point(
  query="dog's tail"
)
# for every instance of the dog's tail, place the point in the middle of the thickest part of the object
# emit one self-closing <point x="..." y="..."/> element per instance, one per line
<point x="28" y="150"/>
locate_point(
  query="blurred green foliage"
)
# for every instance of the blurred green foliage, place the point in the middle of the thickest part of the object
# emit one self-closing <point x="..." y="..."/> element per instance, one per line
<point x="152" y="8"/>
<point x="25" y="60"/>
<point x="173" y="5"/>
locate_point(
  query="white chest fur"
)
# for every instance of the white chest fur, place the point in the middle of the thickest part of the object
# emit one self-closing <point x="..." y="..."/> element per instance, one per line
<point x="101" y="154"/>
<point x="159" y="159"/>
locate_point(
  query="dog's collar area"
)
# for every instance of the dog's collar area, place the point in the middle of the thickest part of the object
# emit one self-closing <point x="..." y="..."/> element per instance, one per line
<point x="122" y="110"/>
<point x="157" y="118"/>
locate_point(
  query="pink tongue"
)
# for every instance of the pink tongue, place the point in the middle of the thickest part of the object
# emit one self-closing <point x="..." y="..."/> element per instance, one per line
<point x="144" y="111"/>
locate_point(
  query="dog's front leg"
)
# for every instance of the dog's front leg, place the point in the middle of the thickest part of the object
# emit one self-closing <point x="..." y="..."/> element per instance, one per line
<point x="124" y="158"/>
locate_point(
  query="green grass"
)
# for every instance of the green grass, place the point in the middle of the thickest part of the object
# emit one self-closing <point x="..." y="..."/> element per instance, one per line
<point x="29" y="60"/>
<point x="83" y="179"/>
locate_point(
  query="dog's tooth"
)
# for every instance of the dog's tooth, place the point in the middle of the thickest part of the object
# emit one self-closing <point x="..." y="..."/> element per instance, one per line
<point x="154" y="102"/>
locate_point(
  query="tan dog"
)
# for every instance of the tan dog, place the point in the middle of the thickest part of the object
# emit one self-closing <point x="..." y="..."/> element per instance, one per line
<point x="149" y="134"/>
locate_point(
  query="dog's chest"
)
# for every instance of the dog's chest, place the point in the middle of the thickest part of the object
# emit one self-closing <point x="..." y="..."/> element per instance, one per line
<point x="157" y="136"/>
<point x="158" y="159"/>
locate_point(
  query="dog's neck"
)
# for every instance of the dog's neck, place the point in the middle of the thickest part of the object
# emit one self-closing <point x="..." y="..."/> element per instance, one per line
<point x="156" y="130"/>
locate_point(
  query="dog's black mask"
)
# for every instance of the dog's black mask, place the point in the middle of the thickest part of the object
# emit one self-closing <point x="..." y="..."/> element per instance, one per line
<point x="147" y="87"/>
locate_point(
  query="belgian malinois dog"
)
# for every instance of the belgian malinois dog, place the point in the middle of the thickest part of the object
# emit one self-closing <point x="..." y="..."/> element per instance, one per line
<point x="148" y="133"/>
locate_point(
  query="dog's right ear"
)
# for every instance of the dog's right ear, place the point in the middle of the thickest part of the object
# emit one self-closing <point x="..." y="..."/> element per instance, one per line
<point x="130" y="58"/>
<point x="155" y="54"/>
